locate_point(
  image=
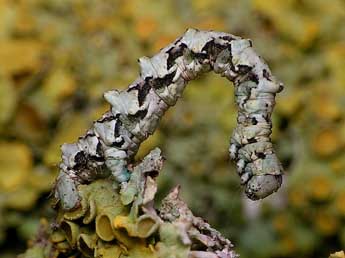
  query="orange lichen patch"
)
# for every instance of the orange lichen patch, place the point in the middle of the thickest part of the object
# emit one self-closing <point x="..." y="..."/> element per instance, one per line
<point x="145" y="27"/>
<point x="15" y="165"/>
<point x="325" y="143"/>
<point x="326" y="223"/>
<point x="320" y="187"/>
<point x="19" y="55"/>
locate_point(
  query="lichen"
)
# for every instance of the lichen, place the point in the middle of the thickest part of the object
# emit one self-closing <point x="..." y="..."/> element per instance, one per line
<point x="125" y="222"/>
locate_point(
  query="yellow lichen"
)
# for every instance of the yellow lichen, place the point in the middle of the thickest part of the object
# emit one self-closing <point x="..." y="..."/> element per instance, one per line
<point x="339" y="254"/>
<point x="15" y="165"/>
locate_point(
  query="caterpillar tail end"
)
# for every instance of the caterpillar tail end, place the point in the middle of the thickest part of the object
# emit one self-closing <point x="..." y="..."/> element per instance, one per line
<point x="261" y="186"/>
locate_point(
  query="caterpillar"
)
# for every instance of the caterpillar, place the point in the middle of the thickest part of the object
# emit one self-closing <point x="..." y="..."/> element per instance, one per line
<point x="111" y="143"/>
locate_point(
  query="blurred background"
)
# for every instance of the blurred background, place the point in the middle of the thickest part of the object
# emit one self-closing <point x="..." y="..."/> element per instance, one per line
<point x="57" y="57"/>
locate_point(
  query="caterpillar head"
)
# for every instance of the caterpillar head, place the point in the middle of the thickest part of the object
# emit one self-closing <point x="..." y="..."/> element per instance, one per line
<point x="260" y="186"/>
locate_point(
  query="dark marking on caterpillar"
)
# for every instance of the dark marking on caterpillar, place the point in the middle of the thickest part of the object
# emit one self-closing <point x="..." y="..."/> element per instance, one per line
<point x="253" y="77"/>
<point x="175" y="52"/>
<point x="162" y="82"/>
<point x="199" y="56"/>
<point x="106" y="119"/>
<point x="117" y="128"/>
<point x="118" y="144"/>
<point x="227" y="38"/>
<point x="142" y="92"/>
<point x="139" y="115"/>
<point x="250" y="43"/>
<point x="252" y="140"/>
<point x="81" y="160"/>
<point x="244" y="69"/>
<point x="96" y="158"/>
<point x="266" y="75"/>
<point x="86" y="135"/>
<point x="209" y="48"/>
<point x="99" y="149"/>
<point x="261" y="155"/>
<point x="143" y="89"/>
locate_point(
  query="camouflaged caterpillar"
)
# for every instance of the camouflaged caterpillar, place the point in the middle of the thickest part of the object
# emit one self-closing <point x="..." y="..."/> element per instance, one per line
<point x="113" y="140"/>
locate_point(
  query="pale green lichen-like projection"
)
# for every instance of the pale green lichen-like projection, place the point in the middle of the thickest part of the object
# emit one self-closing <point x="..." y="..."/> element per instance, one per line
<point x="114" y="223"/>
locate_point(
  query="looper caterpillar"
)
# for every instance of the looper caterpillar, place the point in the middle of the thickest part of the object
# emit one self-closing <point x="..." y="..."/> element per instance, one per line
<point x="114" y="139"/>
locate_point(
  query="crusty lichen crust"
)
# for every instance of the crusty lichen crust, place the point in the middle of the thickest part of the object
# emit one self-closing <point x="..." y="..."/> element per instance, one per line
<point x="108" y="147"/>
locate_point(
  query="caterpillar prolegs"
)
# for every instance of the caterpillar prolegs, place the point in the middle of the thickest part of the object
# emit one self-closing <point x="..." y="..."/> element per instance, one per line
<point x="107" y="148"/>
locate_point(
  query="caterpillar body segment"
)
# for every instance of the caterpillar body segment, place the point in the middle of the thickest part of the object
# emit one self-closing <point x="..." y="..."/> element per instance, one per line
<point x="135" y="113"/>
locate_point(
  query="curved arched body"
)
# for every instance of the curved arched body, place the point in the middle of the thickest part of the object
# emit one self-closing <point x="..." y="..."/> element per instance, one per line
<point x="135" y="113"/>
